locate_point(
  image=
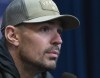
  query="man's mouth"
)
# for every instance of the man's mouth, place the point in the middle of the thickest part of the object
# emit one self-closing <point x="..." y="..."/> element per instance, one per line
<point x="53" y="54"/>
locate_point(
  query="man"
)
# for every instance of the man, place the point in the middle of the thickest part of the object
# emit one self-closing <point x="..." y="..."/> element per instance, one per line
<point x="31" y="40"/>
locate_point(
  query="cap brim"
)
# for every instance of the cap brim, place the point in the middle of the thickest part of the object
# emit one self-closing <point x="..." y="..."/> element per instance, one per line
<point x="67" y="21"/>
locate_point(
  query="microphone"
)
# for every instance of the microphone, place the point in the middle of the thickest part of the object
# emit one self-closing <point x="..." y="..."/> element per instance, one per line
<point x="68" y="75"/>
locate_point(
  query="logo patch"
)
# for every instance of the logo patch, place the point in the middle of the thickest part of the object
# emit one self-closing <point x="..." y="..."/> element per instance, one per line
<point x="48" y="5"/>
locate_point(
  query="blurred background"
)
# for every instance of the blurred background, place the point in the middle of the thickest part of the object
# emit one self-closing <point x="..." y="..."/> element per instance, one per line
<point x="80" y="52"/>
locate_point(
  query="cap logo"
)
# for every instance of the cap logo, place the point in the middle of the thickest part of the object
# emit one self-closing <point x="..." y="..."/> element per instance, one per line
<point x="48" y="5"/>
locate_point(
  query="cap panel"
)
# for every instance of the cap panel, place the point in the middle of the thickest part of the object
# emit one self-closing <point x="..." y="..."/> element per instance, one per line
<point x="15" y="13"/>
<point x="36" y="8"/>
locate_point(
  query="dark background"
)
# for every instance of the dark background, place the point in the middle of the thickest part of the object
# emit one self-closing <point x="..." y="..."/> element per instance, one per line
<point x="80" y="52"/>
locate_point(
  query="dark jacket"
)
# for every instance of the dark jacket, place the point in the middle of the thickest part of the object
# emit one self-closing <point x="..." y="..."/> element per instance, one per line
<point x="7" y="66"/>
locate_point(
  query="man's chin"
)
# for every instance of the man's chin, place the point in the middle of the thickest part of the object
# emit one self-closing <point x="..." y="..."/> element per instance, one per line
<point x="50" y="67"/>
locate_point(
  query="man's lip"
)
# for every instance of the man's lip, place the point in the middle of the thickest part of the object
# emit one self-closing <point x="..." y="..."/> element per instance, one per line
<point x="53" y="53"/>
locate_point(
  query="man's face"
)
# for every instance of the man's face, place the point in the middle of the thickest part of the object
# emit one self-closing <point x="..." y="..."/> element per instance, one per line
<point x="40" y="44"/>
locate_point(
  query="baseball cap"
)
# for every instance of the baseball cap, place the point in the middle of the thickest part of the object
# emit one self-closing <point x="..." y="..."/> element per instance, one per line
<point x="36" y="11"/>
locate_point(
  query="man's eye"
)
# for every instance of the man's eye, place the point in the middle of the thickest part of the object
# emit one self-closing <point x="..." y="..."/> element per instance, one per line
<point x="59" y="31"/>
<point x="45" y="29"/>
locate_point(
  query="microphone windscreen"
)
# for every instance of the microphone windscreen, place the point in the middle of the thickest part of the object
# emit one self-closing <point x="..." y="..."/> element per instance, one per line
<point x="68" y="75"/>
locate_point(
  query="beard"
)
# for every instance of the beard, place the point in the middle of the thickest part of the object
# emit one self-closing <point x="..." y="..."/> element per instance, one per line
<point x="41" y="64"/>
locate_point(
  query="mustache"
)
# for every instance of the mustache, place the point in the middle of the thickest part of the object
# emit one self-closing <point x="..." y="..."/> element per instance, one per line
<point x="52" y="48"/>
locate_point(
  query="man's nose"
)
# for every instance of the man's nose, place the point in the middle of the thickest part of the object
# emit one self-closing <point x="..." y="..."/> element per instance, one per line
<point x="56" y="39"/>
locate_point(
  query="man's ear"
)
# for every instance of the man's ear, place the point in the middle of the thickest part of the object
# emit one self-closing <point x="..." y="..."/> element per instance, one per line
<point x="11" y="35"/>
